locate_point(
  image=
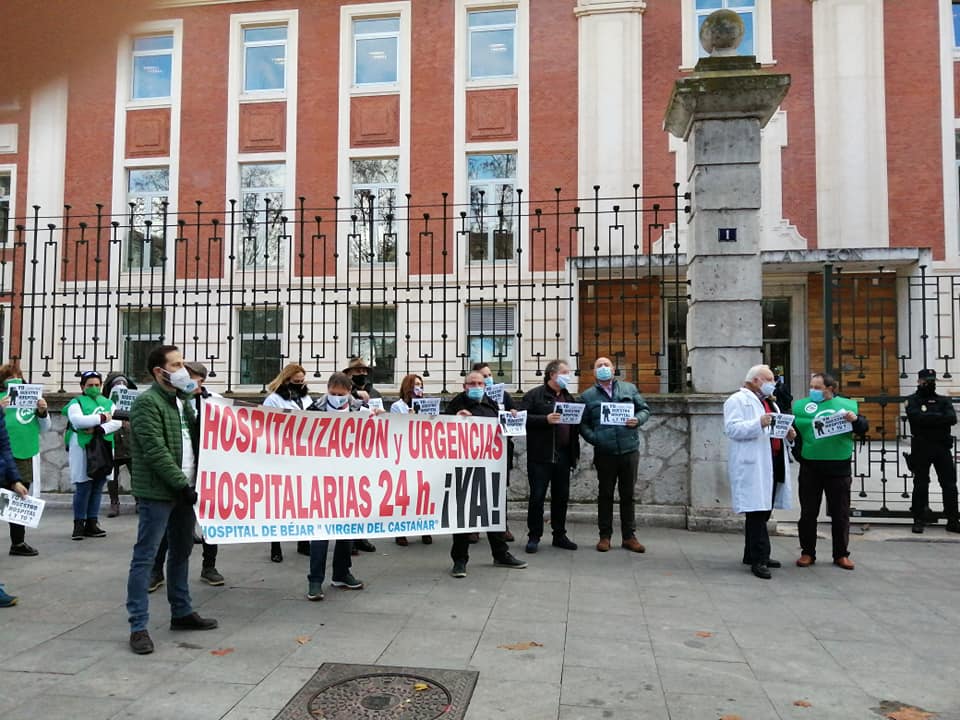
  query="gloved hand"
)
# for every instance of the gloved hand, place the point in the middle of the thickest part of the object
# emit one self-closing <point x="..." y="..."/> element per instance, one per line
<point x="188" y="495"/>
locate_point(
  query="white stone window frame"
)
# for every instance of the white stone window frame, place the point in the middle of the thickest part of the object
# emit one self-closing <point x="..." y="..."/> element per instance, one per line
<point x="144" y="164"/>
<point x="374" y="188"/>
<point x="279" y="259"/>
<point x="357" y="37"/>
<point x="521" y="44"/>
<point x="125" y="54"/>
<point x="260" y="93"/>
<point x="516" y="212"/>
<point x="239" y="22"/>
<point x="9" y="230"/>
<point x="471" y="31"/>
<point x="762" y="33"/>
<point x="372" y="11"/>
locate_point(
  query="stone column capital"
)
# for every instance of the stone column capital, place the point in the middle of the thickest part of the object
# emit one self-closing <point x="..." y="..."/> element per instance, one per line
<point x="586" y="8"/>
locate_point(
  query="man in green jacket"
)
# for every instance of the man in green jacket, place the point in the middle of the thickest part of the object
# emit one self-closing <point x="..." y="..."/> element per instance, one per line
<point x="165" y="437"/>
<point x="616" y="450"/>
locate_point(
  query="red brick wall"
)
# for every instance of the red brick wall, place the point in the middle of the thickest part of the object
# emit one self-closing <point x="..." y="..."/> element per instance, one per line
<point x="914" y="165"/>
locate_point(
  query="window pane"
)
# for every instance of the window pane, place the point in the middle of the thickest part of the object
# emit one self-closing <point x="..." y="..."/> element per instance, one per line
<point x="264" y="68"/>
<point x="261" y="321"/>
<point x="493" y="167"/>
<point x="263" y="175"/>
<point x="142" y="323"/>
<point x="746" y="44"/>
<point x="369" y="172"/>
<point x="741" y="3"/>
<point x="376" y="25"/>
<point x="259" y="361"/>
<point x="491" y="53"/>
<point x="497" y="351"/>
<point x="376" y="60"/>
<point x="153" y="42"/>
<point x="265" y="34"/>
<point x="149" y="180"/>
<point x="4" y="184"/>
<point x="956" y="25"/>
<point x="151" y="76"/>
<point x="494" y="17"/>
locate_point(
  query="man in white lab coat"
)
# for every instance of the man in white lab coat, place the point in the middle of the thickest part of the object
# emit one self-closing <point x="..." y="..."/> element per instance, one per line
<point x="756" y="464"/>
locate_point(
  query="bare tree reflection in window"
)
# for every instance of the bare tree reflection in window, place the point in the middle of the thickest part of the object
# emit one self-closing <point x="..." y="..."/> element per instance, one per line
<point x="373" y="237"/>
<point x="262" y="205"/>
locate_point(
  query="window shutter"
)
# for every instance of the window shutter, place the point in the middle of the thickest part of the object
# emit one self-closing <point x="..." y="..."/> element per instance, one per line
<point x="491" y="320"/>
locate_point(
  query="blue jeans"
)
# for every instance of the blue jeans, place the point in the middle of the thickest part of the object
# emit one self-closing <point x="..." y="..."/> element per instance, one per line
<point x="318" y="559"/>
<point x="155" y="518"/>
<point x="86" y="499"/>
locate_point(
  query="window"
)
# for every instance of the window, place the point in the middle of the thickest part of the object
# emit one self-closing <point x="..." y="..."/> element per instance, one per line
<point x="375" y="44"/>
<point x="374" y="205"/>
<point x="491" y="330"/>
<point x="142" y="332"/>
<point x="262" y="200"/>
<point x="956" y="23"/>
<point x="5" y="182"/>
<point x="776" y="335"/>
<point x="492" y="45"/>
<point x="260" y="330"/>
<point x="492" y="181"/>
<point x="373" y="336"/>
<point x="147" y="191"/>
<point x="746" y="9"/>
<point x="152" y="66"/>
<point x="264" y="58"/>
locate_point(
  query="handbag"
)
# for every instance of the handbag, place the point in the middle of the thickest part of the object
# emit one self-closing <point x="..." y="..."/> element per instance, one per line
<point x="99" y="456"/>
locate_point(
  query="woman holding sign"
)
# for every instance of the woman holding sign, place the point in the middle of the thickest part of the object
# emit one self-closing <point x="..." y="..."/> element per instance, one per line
<point x="115" y="386"/>
<point x="411" y="387"/>
<point x="24" y="426"/>
<point x="89" y="421"/>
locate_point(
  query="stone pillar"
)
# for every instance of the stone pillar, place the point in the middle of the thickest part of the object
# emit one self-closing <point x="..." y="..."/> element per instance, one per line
<point x="719" y="111"/>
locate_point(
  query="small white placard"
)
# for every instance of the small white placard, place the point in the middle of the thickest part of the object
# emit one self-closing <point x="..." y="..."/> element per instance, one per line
<point x="781" y="425"/>
<point x="122" y="401"/>
<point x="20" y="510"/>
<point x="24" y="397"/>
<point x="830" y="425"/>
<point x="495" y="393"/>
<point x="615" y="413"/>
<point x="513" y="425"/>
<point x="426" y="406"/>
<point x="375" y="403"/>
<point x="570" y="413"/>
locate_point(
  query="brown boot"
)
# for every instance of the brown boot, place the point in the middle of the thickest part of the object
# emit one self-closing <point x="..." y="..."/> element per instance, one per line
<point x="633" y="545"/>
<point x="805" y="560"/>
<point x="603" y="545"/>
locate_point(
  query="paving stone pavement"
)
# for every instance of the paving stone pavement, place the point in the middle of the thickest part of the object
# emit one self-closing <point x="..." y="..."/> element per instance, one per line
<point x="684" y="632"/>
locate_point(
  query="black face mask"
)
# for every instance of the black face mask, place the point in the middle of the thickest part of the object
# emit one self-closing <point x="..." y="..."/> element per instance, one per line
<point x="927" y="389"/>
<point x="289" y="391"/>
<point x="360" y="381"/>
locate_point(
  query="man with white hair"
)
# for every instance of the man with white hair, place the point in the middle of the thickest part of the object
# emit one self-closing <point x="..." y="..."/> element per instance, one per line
<point x="756" y="464"/>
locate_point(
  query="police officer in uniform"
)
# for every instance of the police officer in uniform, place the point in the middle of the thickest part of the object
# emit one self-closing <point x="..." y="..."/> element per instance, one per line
<point x="931" y="416"/>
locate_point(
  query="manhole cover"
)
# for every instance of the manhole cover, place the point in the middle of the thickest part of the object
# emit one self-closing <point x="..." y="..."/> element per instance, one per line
<point x="369" y="692"/>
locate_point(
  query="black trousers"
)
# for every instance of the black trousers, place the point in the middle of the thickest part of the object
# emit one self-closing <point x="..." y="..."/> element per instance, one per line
<point x="209" y="556"/>
<point x="18" y="533"/>
<point x="555" y="476"/>
<point x="813" y="486"/>
<point x="460" y="552"/>
<point x="616" y="472"/>
<point x="942" y="460"/>
<point x="756" y="539"/>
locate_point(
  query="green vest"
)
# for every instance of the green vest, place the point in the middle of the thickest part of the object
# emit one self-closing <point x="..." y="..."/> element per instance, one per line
<point x="24" y="431"/>
<point x="834" y="447"/>
<point x="89" y="407"/>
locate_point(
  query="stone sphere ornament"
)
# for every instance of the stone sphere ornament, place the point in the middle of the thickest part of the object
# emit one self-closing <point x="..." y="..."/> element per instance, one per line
<point x="721" y="33"/>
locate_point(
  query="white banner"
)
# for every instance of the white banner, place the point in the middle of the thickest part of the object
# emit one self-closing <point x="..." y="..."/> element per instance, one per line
<point x="615" y="413"/>
<point x="266" y="474"/>
<point x="20" y="510"/>
<point x="24" y="397"/>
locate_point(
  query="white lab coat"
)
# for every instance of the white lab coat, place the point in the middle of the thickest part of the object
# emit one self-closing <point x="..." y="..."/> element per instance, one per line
<point x="749" y="461"/>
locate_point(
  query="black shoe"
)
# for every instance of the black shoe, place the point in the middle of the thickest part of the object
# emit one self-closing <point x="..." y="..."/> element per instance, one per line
<point x="459" y="569"/>
<point x="364" y="546"/>
<point x="761" y="571"/>
<point x="348" y="582"/>
<point x="78" y="528"/>
<point x="532" y="545"/>
<point x="303" y="547"/>
<point x="563" y="542"/>
<point x="211" y="577"/>
<point x="917" y="528"/>
<point x="276" y="556"/>
<point x="509" y="561"/>
<point x="23" y="550"/>
<point x="92" y="529"/>
<point x="156" y="580"/>
<point x="193" y="622"/>
<point x="141" y="643"/>
<point x="774" y="564"/>
<point x="953" y="526"/>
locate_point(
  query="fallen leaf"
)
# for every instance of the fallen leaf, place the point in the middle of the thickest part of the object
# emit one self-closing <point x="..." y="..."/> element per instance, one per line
<point x="521" y="645"/>
<point x="420" y="687"/>
<point x="220" y="652"/>
<point x="731" y="717"/>
<point x="910" y="713"/>
<point x="303" y="639"/>
<point x="704" y="633"/>
<point x="802" y="703"/>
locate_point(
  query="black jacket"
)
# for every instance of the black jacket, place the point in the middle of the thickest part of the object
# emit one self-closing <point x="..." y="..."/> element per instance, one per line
<point x="931" y="417"/>
<point x="482" y="408"/>
<point x="541" y="435"/>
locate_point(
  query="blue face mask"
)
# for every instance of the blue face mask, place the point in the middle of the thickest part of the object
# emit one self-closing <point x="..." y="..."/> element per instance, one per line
<point x="488" y="381"/>
<point x="604" y="373"/>
<point x="816" y="395"/>
<point x="563" y="380"/>
<point x="475" y="393"/>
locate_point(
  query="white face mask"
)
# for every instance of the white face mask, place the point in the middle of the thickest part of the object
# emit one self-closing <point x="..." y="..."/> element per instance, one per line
<point x="767" y="389"/>
<point x="181" y="380"/>
<point x="563" y="379"/>
<point x="337" y="401"/>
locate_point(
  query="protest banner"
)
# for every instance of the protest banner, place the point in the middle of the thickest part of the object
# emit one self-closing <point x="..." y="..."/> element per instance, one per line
<point x="426" y="406"/>
<point x="24" y="511"/>
<point x="24" y="397"/>
<point x="122" y="401"/>
<point x="615" y="413"/>
<point x="267" y="474"/>
<point x="570" y="413"/>
<point x="829" y="425"/>
<point x="513" y="425"/>
<point x="495" y="393"/>
<point x="781" y="425"/>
